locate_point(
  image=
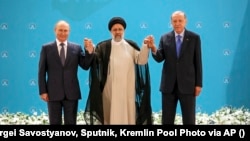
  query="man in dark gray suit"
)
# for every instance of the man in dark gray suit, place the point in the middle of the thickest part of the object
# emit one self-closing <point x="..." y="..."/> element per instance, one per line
<point x="181" y="78"/>
<point x="57" y="76"/>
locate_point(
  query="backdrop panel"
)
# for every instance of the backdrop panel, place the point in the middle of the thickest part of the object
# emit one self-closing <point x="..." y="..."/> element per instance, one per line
<point x="223" y="26"/>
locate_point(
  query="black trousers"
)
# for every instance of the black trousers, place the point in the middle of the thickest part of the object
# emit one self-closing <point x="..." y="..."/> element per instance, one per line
<point x="187" y="105"/>
<point x="65" y="109"/>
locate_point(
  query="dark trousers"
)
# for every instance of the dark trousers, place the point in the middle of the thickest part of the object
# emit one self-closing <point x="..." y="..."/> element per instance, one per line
<point x="169" y="105"/>
<point x="66" y="109"/>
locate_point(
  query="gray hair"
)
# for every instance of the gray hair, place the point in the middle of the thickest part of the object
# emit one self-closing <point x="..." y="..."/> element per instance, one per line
<point x="178" y="13"/>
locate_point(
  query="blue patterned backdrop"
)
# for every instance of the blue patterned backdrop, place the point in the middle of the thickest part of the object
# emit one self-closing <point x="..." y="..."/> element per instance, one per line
<point x="223" y="25"/>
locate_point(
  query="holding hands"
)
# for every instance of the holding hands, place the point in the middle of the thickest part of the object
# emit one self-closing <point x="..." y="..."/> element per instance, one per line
<point x="149" y="40"/>
<point x="89" y="46"/>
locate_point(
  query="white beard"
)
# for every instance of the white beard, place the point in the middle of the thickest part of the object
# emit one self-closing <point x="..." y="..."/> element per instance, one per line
<point x="117" y="38"/>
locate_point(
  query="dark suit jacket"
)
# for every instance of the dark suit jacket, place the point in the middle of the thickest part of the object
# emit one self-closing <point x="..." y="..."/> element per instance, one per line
<point x="187" y="69"/>
<point x="58" y="80"/>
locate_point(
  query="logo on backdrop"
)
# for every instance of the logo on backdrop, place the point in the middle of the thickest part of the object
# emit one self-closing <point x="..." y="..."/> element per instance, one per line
<point x="226" y="52"/>
<point x="198" y="25"/>
<point x="33" y="110"/>
<point x="4" y="82"/>
<point x="32" y="82"/>
<point x="32" y="54"/>
<point x="88" y="26"/>
<point x="5" y="110"/>
<point x="4" y="26"/>
<point x="143" y="25"/>
<point x="32" y="26"/>
<point x="226" y="80"/>
<point x="226" y="24"/>
<point x="4" y="54"/>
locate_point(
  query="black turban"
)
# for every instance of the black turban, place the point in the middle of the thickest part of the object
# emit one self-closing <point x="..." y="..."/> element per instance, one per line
<point x="116" y="20"/>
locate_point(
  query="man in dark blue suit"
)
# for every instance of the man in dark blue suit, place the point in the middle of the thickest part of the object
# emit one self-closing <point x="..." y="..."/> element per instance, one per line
<point x="181" y="78"/>
<point x="57" y="77"/>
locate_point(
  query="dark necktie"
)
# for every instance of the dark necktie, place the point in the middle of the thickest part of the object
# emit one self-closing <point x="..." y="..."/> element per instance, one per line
<point x="62" y="54"/>
<point x="178" y="45"/>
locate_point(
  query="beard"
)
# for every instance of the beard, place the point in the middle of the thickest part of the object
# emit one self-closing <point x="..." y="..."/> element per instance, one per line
<point x="117" y="38"/>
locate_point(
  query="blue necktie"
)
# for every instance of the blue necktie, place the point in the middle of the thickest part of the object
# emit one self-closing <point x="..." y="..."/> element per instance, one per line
<point x="178" y="45"/>
<point x="62" y="54"/>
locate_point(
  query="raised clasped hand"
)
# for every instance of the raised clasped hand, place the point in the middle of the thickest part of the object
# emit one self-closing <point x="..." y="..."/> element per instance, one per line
<point x="89" y="46"/>
<point x="149" y="40"/>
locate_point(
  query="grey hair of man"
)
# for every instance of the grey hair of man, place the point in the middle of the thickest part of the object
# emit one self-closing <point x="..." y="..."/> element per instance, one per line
<point x="178" y="13"/>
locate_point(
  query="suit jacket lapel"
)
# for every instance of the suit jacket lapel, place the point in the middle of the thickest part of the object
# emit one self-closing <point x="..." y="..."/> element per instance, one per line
<point x="55" y="52"/>
<point x="173" y="44"/>
<point x="184" y="43"/>
<point x="68" y="53"/>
